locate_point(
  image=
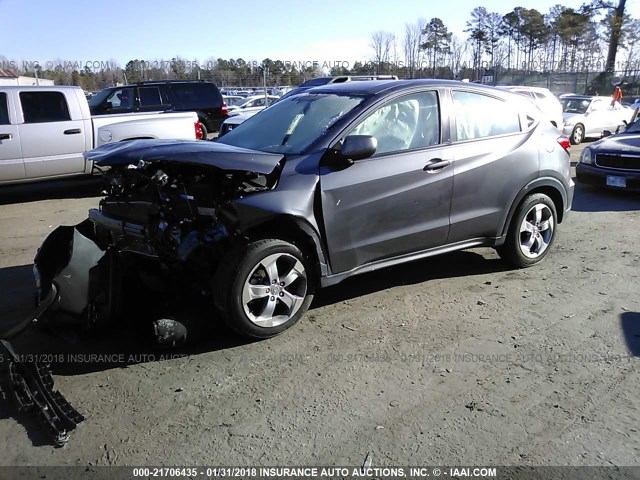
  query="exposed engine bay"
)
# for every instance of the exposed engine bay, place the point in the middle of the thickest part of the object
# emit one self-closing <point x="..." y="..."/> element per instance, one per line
<point x="155" y="241"/>
<point x="161" y="226"/>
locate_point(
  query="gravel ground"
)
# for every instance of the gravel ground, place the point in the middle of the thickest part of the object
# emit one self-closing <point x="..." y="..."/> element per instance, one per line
<point x="452" y="360"/>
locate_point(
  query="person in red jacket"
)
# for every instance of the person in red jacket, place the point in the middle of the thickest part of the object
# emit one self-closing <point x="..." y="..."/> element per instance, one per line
<point x="617" y="95"/>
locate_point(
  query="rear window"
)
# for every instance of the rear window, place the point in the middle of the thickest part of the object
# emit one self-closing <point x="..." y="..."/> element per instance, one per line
<point x="4" y="109"/>
<point x="472" y="121"/>
<point x="40" y="107"/>
<point x="197" y="95"/>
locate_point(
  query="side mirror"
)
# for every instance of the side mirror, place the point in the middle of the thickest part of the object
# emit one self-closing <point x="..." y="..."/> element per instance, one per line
<point x="358" y="147"/>
<point x="606" y="133"/>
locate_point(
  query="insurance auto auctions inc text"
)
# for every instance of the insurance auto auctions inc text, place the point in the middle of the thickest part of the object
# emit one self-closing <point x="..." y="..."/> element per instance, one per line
<point x="375" y="472"/>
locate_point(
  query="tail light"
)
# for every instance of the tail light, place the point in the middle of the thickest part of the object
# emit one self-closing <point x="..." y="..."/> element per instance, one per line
<point x="564" y="142"/>
<point x="199" y="133"/>
<point x="225" y="112"/>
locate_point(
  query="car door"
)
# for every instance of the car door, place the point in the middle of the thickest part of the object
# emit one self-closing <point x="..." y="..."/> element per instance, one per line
<point x="398" y="200"/>
<point x="52" y="134"/>
<point x="11" y="162"/>
<point x="492" y="162"/>
<point x="598" y="118"/>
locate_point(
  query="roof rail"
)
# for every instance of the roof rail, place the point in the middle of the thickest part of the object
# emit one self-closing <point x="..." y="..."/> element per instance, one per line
<point x="166" y="81"/>
<point x="374" y="77"/>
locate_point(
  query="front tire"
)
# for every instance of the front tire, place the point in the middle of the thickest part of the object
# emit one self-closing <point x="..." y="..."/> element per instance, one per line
<point x="531" y="233"/>
<point x="577" y="135"/>
<point x="263" y="288"/>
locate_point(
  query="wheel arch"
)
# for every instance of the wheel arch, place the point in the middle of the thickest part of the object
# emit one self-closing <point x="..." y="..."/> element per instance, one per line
<point x="551" y="187"/>
<point x="297" y="231"/>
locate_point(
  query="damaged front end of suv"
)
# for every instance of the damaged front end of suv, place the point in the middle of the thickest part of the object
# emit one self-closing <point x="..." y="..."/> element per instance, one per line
<point x="164" y="236"/>
<point x="165" y="222"/>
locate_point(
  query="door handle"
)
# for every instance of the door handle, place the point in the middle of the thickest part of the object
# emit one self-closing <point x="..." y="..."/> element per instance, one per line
<point x="73" y="131"/>
<point x="436" y="165"/>
<point x="5" y="136"/>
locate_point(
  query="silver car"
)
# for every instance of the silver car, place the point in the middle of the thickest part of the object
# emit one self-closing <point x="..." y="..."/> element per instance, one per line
<point x="588" y="116"/>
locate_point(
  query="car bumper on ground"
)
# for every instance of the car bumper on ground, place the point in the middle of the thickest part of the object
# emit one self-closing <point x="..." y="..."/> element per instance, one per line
<point x="612" y="178"/>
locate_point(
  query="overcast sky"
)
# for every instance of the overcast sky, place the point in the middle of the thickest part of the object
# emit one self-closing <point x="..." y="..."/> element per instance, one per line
<point x="330" y="30"/>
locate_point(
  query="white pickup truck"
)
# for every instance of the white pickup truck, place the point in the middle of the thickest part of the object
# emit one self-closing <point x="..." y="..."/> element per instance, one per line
<point x="45" y="130"/>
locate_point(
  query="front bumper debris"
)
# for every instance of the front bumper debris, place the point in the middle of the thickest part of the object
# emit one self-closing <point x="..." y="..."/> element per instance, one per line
<point x="30" y="384"/>
<point x="67" y="274"/>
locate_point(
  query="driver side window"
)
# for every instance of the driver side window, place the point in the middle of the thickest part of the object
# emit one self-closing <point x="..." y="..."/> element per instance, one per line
<point x="409" y="122"/>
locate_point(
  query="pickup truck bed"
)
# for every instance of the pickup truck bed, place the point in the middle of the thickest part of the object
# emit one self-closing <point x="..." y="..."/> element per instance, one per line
<point x="45" y="130"/>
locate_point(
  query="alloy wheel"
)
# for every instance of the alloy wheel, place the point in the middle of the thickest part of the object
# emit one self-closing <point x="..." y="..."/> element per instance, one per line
<point x="536" y="231"/>
<point x="275" y="290"/>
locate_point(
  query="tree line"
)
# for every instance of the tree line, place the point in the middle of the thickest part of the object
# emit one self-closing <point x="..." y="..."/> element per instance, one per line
<point x="588" y="38"/>
<point x="564" y="39"/>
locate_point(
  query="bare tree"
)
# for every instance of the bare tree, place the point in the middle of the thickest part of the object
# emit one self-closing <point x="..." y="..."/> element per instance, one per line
<point x="632" y="45"/>
<point x="458" y="55"/>
<point x="412" y="42"/>
<point x="381" y="43"/>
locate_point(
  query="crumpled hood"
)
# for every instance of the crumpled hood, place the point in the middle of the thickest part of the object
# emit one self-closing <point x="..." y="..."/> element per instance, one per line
<point x="195" y="152"/>
<point x="621" y="143"/>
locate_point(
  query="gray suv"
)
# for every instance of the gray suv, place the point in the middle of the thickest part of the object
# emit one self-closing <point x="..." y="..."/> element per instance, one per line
<point x="333" y="182"/>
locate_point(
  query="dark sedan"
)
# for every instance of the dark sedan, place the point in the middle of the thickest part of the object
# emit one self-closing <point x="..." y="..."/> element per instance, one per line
<point x="613" y="162"/>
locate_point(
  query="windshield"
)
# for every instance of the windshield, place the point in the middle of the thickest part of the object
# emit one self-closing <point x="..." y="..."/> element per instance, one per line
<point x="99" y="98"/>
<point x="575" y="105"/>
<point x="293" y="124"/>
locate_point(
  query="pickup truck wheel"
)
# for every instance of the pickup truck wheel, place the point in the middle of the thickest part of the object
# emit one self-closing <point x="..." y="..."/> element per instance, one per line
<point x="531" y="232"/>
<point x="577" y="135"/>
<point x="263" y="288"/>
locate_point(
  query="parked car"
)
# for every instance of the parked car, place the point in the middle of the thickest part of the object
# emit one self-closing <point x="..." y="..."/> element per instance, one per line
<point x="544" y="99"/>
<point x="45" y="130"/>
<point x="613" y="161"/>
<point x="231" y="100"/>
<point x="252" y="104"/>
<point x="233" y="121"/>
<point x="204" y="98"/>
<point x="337" y="181"/>
<point x="280" y="91"/>
<point x="588" y="116"/>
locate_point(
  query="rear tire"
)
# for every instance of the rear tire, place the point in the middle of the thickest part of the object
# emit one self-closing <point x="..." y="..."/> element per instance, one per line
<point x="263" y="288"/>
<point x="531" y="233"/>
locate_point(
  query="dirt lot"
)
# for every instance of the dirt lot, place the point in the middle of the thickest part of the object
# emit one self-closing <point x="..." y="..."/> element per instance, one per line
<point x="452" y="360"/>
